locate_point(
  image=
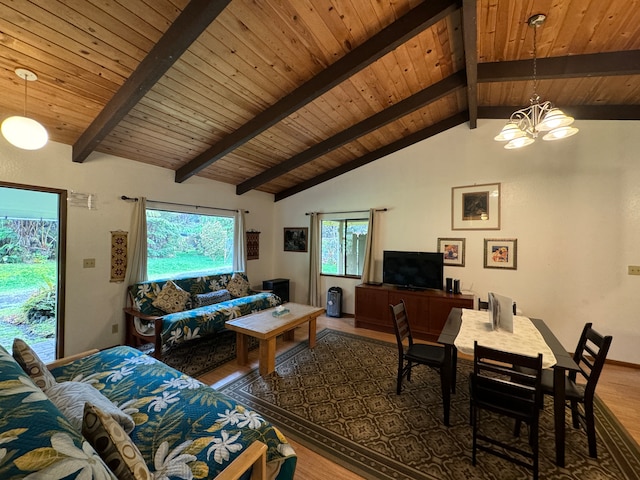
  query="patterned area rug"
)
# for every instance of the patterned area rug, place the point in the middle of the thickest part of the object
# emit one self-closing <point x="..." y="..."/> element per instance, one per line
<point x="196" y="357"/>
<point x="340" y="399"/>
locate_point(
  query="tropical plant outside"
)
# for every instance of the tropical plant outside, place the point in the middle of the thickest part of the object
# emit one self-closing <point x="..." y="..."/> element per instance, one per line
<point x="342" y="246"/>
<point x="187" y="243"/>
<point x="28" y="269"/>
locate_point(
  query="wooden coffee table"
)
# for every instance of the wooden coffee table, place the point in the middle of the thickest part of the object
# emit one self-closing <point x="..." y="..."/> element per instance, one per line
<point x="266" y="327"/>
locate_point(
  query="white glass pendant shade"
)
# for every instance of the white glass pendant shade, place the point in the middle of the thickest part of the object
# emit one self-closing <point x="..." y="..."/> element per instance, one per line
<point x="519" y="143"/>
<point x="24" y="133"/>
<point x="559" y="133"/>
<point x="554" y="118"/>
<point x="509" y="132"/>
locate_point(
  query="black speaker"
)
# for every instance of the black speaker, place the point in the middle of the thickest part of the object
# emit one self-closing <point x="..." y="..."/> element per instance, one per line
<point x="456" y="286"/>
<point x="449" y="285"/>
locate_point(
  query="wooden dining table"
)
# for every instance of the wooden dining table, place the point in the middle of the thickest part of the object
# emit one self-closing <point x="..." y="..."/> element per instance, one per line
<point x="564" y="364"/>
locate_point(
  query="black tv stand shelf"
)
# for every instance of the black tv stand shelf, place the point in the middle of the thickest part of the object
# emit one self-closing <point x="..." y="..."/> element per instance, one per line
<point x="427" y="309"/>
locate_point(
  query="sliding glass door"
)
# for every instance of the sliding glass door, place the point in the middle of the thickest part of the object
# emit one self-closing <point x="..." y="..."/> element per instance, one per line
<point x="32" y="248"/>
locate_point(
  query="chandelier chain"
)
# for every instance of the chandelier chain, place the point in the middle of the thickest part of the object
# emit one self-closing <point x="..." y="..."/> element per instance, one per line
<point x="535" y="61"/>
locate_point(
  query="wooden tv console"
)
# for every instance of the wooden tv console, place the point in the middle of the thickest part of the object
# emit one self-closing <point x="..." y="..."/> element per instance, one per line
<point x="427" y="309"/>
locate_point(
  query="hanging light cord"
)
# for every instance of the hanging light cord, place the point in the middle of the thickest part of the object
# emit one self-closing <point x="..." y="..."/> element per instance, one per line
<point x="25" y="95"/>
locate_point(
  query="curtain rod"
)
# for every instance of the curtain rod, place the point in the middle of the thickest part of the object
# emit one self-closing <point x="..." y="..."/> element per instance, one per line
<point x="348" y="211"/>
<point x="134" y="199"/>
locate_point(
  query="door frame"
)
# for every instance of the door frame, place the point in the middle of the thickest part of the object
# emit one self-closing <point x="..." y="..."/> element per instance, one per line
<point x="62" y="256"/>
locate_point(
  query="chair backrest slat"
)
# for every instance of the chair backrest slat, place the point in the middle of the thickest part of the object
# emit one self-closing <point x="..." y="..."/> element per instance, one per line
<point x="590" y="355"/>
<point x="507" y="378"/>
<point x="401" y="322"/>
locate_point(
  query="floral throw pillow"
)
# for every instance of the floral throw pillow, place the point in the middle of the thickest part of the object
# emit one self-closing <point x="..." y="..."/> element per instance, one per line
<point x="32" y="365"/>
<point x="113" y="445"/>
<point x="238" y="286"/>
<point x="172" y="298"/>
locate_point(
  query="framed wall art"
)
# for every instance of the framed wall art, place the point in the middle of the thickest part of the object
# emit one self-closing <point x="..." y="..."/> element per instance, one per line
<point x="453" y="250"/>
<point x="476" y="207"/>
<point x="501" y="253"/>
<point x="296" y="239"/>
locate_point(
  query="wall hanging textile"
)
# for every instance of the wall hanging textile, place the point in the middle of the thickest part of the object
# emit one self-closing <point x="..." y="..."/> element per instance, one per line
<point x="118" y="256"/>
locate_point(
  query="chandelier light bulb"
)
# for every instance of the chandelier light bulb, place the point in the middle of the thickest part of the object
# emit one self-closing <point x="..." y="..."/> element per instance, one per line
<point x="559" y="133"/>
<point x="519" y="143"/>
<point x="509" y="132"/>
<point x="554" y="118"/>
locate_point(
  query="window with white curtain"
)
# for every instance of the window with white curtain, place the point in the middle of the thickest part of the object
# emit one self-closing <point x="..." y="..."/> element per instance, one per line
<point x="188" y="243"/>
<point x="343" y="243"/>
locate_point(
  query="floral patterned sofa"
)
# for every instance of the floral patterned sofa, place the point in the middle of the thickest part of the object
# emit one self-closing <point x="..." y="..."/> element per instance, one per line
<point x="146" y="321"/>
<point x="182" y="428"/>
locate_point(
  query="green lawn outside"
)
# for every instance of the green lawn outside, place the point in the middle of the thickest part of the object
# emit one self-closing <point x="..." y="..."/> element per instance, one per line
<point x="183" y="264"/>
<point x="32" y="276"/>
<point x="27" y="276"/>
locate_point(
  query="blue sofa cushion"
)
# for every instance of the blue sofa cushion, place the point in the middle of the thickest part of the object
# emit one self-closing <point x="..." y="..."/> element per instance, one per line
<point x="35" y="436"/>
<point x="180" y="422"/>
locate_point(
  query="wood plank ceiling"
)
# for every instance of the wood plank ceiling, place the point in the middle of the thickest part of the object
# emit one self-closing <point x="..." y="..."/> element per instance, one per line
<point x="280" y="95"/>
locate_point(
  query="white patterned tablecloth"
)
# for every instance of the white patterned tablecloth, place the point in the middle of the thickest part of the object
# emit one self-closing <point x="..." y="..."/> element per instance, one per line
<point x="526" y="339"/>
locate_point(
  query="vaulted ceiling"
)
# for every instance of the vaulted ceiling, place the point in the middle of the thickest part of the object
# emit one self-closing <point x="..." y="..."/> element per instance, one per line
<point x="281" y="95"/>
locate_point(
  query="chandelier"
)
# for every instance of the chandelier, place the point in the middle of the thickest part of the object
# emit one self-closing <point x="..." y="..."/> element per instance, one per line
<point x="525" y="124"/>
<point x="24" y="132"/>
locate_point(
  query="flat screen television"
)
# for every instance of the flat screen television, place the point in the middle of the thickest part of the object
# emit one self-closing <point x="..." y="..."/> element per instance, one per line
<point x="415" y="270"/>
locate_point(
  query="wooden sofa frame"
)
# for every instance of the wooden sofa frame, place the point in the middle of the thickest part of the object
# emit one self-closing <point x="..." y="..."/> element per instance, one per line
<point x="135" y="338"/>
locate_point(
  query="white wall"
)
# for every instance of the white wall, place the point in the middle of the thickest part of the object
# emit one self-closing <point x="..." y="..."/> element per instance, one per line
<point x="93" y="304"/>
<point x="573" y="205"/>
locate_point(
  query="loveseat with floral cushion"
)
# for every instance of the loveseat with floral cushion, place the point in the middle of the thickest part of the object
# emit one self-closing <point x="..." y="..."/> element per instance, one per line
<point x="169" y="312"/>
<point x="179" y="427"/>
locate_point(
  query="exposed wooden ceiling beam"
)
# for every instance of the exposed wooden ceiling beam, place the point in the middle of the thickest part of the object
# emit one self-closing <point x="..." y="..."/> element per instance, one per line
<point x="420" y="18"/>
<point x="579" y="112"/>
<point x="400" y="109"/>
<point x="470" y="39"/>
<point x="572" y="66"/>
<point x="427" y="132"/>
<point x="194" y="19"/>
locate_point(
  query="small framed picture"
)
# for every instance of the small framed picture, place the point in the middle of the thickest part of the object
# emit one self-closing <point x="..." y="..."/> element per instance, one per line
<point x="501" y="253"/>
<point x="453" y="250"/>
<point x="295" y="239"/>
<point x="476" y="207"/>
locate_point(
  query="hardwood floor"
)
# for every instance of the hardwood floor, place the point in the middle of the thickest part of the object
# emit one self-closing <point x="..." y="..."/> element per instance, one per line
<point x="619" y="388"/>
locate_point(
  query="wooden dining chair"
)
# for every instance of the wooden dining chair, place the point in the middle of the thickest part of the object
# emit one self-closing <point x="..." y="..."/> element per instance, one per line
<point x="507" y="384"/>
<point x="590" y="355"/>
<point x="414" y="353"/>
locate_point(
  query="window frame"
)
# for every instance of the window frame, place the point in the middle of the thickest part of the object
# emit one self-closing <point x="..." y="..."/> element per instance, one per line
<point x="192" y="210"/>
<point x="343" y="246"/>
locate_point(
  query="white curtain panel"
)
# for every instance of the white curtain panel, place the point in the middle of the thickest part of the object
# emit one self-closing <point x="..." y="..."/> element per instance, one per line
<point x="137" y="266"/>
<point x="239" y="244"/>
<point x="368" y="269"/>
<point x="314" y="259"/>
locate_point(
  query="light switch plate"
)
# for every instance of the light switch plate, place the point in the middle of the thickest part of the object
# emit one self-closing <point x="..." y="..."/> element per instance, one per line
<point x="634" y="270"/>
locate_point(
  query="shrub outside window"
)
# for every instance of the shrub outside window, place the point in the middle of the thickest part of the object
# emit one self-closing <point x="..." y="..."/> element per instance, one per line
<point x="343" y="246"/>
<point x="180" y="244"/>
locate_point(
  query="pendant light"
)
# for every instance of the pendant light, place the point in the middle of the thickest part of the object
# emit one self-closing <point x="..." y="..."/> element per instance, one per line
<point x="24" y="132"/>
<point x="523" y="127"/>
